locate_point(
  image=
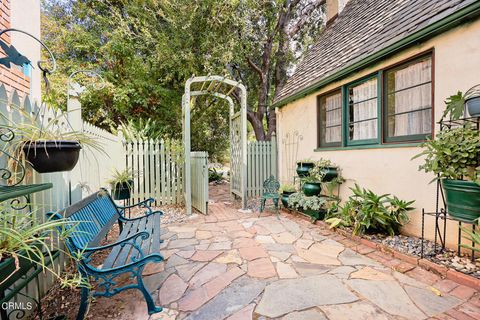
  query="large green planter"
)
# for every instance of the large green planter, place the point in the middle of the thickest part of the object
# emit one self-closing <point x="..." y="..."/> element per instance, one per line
<point x="311" y="188"/>
<point x="463" y="199"/>
<point x="284" y="198"/>
<point x="315" y="214"/>
<point x="121" y="191"/>
<point x="303" y="168"/>
<point x="330" y="173"/>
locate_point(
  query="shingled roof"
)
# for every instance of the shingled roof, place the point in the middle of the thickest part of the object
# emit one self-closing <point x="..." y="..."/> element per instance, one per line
<point x="363" y="28"/>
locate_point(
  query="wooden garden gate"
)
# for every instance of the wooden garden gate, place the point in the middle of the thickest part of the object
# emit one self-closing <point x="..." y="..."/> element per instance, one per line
<point x="200" y="181"/>
<point x="222" y="88"/>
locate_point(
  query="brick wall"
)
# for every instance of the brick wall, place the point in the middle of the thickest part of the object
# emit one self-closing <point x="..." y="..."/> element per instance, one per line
<point x="12" y="77"/>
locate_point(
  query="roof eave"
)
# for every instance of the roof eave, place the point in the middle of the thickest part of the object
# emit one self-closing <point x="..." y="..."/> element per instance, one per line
<point x="455" y="19"/>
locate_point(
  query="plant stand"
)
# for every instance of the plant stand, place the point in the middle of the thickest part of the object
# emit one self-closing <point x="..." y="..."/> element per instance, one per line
<point x="441" y="213"/>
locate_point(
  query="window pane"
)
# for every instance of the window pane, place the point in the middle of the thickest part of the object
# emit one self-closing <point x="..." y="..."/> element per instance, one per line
<point x="409" y="99"/>
<point x="331" y="119"/>
<point x="362" y="111"/>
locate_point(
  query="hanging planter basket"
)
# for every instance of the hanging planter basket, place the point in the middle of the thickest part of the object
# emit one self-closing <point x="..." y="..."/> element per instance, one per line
<point x="122" y="191"/>
<point x="52" y="156"/>
<point x="472" y="101"/>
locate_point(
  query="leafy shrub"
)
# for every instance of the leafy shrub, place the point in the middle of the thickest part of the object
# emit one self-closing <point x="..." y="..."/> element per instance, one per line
<point x="366" y="211"/>
<point x="214" y="175"/>
<point x="453" y="154"/>
<point x="300" y="201"/>
<point x="287" y="188"/>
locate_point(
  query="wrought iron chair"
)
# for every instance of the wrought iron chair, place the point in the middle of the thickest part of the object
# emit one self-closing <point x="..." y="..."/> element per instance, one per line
<point x="271" y="188"/>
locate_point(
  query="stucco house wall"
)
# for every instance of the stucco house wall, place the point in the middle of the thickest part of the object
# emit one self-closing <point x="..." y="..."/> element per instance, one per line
<point x="386" y="169"/>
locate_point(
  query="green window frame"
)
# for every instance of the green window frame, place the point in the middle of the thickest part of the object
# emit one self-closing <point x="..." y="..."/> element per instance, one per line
<point x="409" y="116"/>
<point x="349" y="120"/>
<point x="323" y="113"/>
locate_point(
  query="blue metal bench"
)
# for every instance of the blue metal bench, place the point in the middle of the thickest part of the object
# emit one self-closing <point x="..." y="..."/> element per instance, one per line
<point x="138" y="244"/>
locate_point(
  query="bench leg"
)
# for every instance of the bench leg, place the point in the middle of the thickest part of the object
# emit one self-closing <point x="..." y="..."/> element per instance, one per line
<point x="152" y="308"/>
<point x="84" y="303"/>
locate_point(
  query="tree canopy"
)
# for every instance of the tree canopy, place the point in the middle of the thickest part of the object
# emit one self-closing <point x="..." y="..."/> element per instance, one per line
<point x="147" y="49"/>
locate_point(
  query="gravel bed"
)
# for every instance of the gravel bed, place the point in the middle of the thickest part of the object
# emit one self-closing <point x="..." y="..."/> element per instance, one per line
<point x="413" y="246"/>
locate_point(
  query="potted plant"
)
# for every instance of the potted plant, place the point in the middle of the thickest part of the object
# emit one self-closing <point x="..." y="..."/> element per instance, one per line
<point x="453" y="157"/>
<point x="48" y="147"/>
<point x="312" y="183"/>
<point x="457" y="103"/>
<point x="312" y="206"/>
<point x="121" y="183"/>
<point x="304" y="167"/>
<point x="328" y="169"/>
<point x="25" y="242"/>
<point x="286" y="190"/>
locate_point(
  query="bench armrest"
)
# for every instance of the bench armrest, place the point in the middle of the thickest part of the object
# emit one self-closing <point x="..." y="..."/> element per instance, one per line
<point x="142" y="204"/>
<point x="128" y="240"/>
<point x="152" y="257"/>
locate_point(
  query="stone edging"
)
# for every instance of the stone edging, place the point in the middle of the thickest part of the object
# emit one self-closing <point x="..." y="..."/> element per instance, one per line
<point x="442" y="271"/>
<point x="368" y="247"/>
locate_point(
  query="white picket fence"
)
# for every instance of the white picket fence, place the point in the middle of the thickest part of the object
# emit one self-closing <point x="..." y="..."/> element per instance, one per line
<point x="261" y="163"/>
<point x="159" y="167"/>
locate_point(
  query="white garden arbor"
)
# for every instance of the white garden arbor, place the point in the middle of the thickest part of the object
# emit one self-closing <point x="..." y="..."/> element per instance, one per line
<point x="222" y="88"/>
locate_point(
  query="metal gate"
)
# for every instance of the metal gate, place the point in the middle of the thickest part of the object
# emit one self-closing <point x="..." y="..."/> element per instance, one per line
<point x="199" y="166"/>
<point x="236" y="155"/>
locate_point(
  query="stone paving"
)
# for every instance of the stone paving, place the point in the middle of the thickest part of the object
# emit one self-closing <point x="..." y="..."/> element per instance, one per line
<point x="236" y="266"/>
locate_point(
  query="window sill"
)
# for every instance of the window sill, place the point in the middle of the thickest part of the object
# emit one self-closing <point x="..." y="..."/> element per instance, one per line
<point x="370" y="146"/>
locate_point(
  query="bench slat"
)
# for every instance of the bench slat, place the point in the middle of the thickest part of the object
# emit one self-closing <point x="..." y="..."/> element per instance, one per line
<point x="110" y="260"/>
<point x="126" y="250"/>
<point x="156" y="235"/>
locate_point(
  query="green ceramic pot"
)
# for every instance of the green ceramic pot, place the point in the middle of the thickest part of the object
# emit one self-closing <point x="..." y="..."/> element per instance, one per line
<point x="311" y="188"/>
<point x="463" y="199"/>
<point x="303" y="168"/>
<point x="284" y="198"/>
<point x="122" y="191"/>
<point x="330" y="173"/>
<point x="315" y="214"/>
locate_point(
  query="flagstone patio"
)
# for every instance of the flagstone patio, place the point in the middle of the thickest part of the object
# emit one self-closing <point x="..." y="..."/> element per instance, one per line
<point x="236" y="266"/>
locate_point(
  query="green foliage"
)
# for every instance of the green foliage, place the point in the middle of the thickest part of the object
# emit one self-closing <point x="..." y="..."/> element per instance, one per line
<point x="287" y="188"/>
<point x="455" y="105"/>
<point x="140" y="129"/>
<point x="122" y="177"/>
<point x="472" y="237"/>
<point x="214" y="175"/>
<point x="452" y="154"/>
<point x="300" y="201"/>
<point x="23" y="236"/>
<point x="366" y="211"/>
<point x="314" y="175"/>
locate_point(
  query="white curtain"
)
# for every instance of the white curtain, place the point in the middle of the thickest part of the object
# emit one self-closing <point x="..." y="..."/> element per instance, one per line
<point x="365" y="107"/>
<point x="414" y="87"/>
<point x="333" y="117"/>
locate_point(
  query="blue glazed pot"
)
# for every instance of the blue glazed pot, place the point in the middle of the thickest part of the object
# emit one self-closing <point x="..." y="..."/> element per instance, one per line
<point x="311" y="188"/>
<point x="473" y="106"/>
